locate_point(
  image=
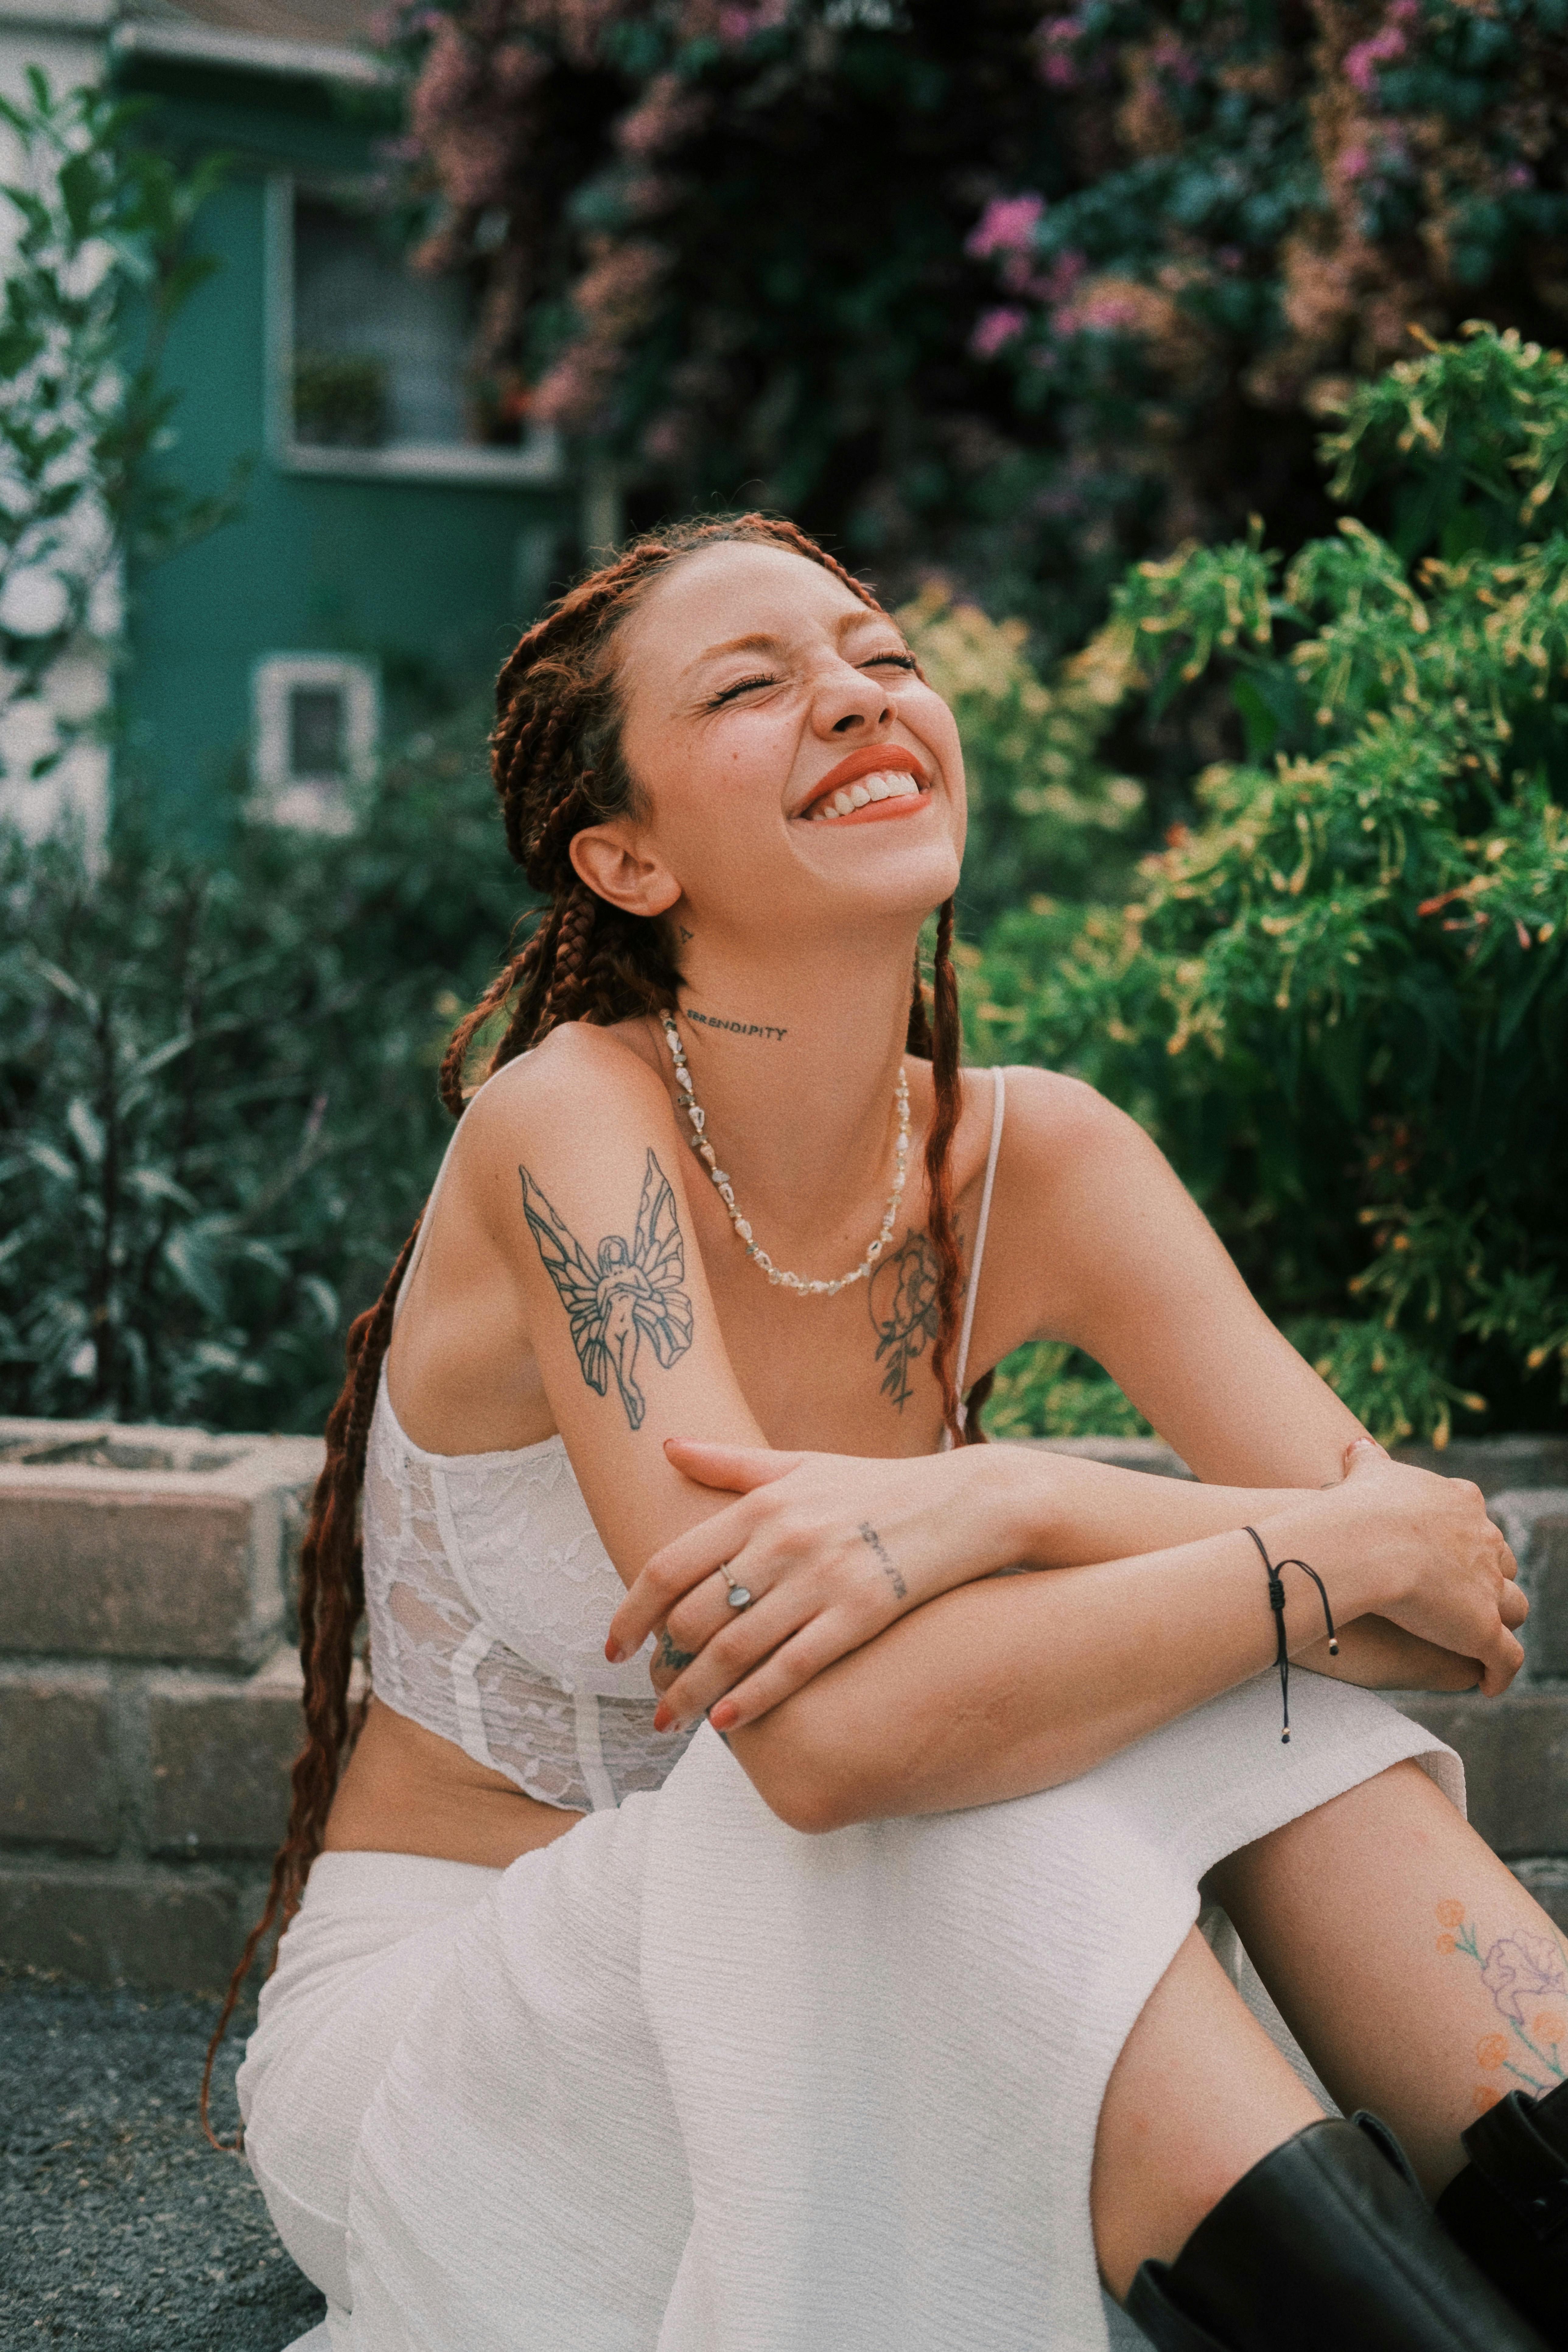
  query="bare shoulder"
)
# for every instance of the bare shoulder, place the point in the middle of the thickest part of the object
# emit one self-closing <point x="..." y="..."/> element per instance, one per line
<point x="1062" y="1130"/>
<point x="596" y="1074"/>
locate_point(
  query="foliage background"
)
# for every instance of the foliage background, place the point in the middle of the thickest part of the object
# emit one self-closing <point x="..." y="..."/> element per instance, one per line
<point x="1026" y="295"/>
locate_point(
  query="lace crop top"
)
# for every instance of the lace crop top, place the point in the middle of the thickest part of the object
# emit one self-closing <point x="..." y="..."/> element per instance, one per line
<point x="489" y="1594"/>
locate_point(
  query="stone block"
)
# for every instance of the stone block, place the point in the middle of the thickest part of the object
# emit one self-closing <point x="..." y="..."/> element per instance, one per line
<point x="221" y="1756"/>
<point x="167" y="1930"/>
<point x="1546" y="1876"/>
<point x="1535" y="1521"/>
<point x="1515" y="1754"/>
<point x="146" y="1543"/>
<point x="58" y="1783"/>
<point x="1495" y="1464"/>
<point x="1150" y="1454"/>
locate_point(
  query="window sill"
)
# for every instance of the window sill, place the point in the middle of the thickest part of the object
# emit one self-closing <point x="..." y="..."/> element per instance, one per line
<point x="540" y="464"/>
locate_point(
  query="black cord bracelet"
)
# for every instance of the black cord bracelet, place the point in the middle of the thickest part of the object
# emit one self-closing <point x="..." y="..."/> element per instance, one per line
<point x="1277" y="1603"/>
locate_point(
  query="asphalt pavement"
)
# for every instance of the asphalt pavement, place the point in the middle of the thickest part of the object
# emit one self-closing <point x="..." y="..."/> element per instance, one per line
<point x="120" y="2227"/>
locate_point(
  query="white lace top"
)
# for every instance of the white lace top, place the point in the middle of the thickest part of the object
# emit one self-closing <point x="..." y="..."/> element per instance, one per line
<point x="489" y="1595"/>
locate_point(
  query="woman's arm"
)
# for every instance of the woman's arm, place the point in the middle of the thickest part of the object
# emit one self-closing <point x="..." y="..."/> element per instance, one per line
<point x="999" y="1689"/>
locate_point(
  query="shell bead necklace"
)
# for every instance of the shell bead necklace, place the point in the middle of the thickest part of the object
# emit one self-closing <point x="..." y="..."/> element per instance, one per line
<point x="779" y="1275"/>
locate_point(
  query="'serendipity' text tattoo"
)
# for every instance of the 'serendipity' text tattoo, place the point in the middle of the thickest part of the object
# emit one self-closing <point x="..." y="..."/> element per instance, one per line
<point x="737" y="1028"/>
<point x="879" y="1550"/>
<point x="1525" y="1975"/>
<point x="633" y="1294"/>
<point x="673" y="1661"/>
<point x="901" y="1296"/>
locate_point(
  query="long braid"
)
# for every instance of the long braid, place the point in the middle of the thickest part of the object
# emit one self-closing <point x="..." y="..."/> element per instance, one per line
<point x="557" y="768"/>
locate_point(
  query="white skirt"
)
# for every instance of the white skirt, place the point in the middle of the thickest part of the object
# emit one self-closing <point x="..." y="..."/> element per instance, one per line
<point x="688" y="2081"/>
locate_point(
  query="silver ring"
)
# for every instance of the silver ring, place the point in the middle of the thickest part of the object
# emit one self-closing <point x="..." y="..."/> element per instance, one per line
<point x="739" y="1596"/>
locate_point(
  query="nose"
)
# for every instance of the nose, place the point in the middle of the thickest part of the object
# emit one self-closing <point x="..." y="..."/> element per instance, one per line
<point x="847" y="702"/>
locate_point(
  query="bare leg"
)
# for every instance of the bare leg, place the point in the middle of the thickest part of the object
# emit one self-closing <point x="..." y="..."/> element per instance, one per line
<point x="1197" y="2097"/>
<point x="1417" y="1973"/>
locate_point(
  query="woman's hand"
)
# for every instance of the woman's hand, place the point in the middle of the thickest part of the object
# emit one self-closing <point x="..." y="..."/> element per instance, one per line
<point x="1447" y="1575"/>
<point x="832" y="1548"/>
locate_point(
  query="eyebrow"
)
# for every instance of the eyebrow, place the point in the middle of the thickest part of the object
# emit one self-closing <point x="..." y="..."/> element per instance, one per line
<point x="764" y="642"/>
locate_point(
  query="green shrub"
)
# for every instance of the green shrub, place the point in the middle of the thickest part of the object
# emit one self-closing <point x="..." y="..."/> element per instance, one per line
<point x="1340" y="998"/>
<point x="218" y="1105"/>
<point x="1043" y="813"/>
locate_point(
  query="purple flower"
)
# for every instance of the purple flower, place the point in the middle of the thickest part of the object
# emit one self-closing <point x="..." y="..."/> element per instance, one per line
<point x="1007" y="226"/>
<point x="1521" y="1968"/>
<point x="994" y="328"/>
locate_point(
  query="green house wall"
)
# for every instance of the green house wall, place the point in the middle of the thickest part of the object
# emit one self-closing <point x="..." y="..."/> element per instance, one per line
<point x="432" y="580"/>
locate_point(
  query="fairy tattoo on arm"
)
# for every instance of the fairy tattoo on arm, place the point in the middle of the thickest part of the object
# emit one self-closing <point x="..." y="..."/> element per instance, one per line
<point x="631" y="1294"/>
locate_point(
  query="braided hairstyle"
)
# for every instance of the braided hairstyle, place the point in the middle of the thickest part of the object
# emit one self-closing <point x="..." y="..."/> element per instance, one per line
<point x="557" y="766"/>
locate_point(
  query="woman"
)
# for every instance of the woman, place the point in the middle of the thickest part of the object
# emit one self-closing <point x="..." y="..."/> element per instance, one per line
<point x="874" y="2013"/>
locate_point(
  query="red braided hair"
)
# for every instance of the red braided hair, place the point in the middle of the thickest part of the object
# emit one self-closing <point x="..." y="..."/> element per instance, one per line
<point x="557" y="767"/>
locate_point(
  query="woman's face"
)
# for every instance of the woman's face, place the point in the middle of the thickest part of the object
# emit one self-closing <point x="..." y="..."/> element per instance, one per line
<point x="795" y="770"/>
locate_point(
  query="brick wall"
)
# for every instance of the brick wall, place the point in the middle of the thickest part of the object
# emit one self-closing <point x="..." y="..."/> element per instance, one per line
<point x="149" y="1695"/>
<point x="149" y="1692"/>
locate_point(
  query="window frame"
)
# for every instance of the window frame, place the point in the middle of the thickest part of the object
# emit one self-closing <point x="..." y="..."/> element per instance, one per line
<point x="538" y="461"/>
<point x="318" y="804"/>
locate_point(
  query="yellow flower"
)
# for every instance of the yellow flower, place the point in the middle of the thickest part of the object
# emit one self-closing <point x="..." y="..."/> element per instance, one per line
<point x="1491" y="2050"/>
<point x="1549" y="2026"/>
<point x="1487" y="2095"/>
<point x="1450" y="1914"/>
<point x="1445" y="1944"/>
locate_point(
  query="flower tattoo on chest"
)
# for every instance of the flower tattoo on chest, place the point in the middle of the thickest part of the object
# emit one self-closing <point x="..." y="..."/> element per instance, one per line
<point x="631" y="1292"/>
<point x="902" y="1301"/>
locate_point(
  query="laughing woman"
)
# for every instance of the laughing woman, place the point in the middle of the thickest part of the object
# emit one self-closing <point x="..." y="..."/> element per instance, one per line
<point x="844" y="1989"/>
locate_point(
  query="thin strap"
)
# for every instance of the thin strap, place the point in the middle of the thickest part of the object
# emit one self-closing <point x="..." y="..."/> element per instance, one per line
<point x="998" y="1104"/>
<point x="427" y="1215"/>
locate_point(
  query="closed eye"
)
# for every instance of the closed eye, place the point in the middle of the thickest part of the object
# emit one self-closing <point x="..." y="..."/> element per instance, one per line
<point x="741" y="686"/>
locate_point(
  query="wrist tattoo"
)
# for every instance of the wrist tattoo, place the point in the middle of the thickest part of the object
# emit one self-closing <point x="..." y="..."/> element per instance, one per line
<point x="879" y="1550"/>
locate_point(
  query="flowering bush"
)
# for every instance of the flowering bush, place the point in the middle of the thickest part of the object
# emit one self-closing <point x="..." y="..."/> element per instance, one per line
<point x="1026" y="295"/>
<point x="1341" y="997"/>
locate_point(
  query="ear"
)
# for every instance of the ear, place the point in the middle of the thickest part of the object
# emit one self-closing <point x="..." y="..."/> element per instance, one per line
<point x="611" y="861"/>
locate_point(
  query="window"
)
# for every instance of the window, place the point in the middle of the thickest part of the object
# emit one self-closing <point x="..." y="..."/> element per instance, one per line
<point x="371" y="368"/>
<point x="315" y="720"/>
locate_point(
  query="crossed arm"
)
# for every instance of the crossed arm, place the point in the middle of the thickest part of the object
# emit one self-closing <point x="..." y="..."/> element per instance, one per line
<point x="886" y="1667"/>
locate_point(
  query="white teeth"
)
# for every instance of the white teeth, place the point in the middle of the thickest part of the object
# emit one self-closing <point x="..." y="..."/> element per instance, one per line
<point x="903" y="786"/>
<point x="878" y="788"/>
<point x="841" y="804"/>
<point x="859" y="796"/>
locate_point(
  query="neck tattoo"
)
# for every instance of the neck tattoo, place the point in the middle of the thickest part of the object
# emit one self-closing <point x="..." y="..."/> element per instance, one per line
<point x="686" y="1101"/>
<point x="738" y="1028"/>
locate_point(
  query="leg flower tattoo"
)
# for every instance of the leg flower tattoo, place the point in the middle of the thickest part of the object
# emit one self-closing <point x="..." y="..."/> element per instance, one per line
<point x="1527" y="1978"/>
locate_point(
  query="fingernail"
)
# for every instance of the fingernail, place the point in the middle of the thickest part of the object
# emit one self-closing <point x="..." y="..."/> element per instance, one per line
<point x="662" y="1718"/>
<point x="722" y="1717"/>
<point x="615" y="1654"/>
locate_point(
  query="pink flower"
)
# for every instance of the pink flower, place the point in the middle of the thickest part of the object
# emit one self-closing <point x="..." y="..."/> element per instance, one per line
<point x="1363" y="61"/>
<point x="996" y="328"/>
<point x="1007" y="226"/>
<point x="738" y="25"/>
<point x="1053" y="43"/>
<point x="1521" y="1968"/>
<point x="661" y="118"/>
<point x="1169" y="57"/>
<point x="1355" y="163"/>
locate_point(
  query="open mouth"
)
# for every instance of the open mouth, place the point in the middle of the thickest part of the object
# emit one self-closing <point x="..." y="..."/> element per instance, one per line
<point x="882" y="781"/>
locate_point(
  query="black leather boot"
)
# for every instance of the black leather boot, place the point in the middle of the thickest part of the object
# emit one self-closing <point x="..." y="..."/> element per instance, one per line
<point x="1509" y="2208"/>
<point x="1326" y="2245"/>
